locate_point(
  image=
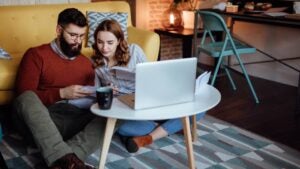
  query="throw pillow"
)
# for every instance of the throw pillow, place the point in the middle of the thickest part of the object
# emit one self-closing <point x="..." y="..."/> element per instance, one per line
<point x="4" y="54"/>
<point x="94" y="18"/>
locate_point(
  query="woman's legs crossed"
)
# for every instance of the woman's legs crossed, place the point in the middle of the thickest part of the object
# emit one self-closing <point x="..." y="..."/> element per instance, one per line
<point x="174" y="125"/>
<point x="136" y="128"/>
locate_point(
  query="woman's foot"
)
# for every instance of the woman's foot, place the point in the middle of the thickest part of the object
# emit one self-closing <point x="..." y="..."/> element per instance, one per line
<point x="134" y="143"/>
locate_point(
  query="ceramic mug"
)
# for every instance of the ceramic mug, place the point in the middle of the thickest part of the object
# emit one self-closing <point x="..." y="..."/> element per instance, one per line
<point x="104" y="97"/>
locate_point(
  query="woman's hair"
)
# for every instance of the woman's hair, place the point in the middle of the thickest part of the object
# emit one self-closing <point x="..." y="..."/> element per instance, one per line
<point x="122" y="52"/>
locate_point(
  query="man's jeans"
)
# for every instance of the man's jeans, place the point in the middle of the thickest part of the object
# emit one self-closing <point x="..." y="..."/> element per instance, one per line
<point x="59" y="129"/>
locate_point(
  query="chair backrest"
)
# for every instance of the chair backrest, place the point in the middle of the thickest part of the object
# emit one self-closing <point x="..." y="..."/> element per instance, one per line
<point x="212" y="21"/>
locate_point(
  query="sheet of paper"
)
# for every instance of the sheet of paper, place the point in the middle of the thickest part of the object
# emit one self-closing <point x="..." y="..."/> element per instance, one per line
<point x="201" y="81"/>
<point x="89" y="88"/>
<point x="85" y="102"/>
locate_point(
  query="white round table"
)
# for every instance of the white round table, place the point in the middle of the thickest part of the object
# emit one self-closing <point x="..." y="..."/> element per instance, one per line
<point x="207" y="99"/>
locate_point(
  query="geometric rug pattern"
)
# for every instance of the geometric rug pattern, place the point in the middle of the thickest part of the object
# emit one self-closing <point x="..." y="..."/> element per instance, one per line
<point x="219" y="146"/>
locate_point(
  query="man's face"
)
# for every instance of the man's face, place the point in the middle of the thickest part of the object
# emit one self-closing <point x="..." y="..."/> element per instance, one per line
<point x="70" y="38"/>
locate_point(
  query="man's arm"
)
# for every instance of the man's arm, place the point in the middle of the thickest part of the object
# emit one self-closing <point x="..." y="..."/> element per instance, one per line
<point x="53" y="79"/>
<point x="28" y="78"/>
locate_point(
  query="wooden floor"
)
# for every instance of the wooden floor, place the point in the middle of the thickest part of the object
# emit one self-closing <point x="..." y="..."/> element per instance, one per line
<point x="273" y="118"/>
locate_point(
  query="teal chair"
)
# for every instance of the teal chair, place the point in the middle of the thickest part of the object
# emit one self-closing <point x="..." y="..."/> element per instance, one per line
<point x="213" y="22"/>
<point x="2" y="161"/>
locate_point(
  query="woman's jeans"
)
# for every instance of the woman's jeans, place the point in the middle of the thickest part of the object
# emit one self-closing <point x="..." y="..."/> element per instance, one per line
<point x="140" y="128"/>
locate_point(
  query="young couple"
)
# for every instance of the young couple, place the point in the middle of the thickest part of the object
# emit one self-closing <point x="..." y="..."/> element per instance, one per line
<point x="51" y="74"/>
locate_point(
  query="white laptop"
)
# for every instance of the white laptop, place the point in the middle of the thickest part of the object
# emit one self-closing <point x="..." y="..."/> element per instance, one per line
<point x="162" y="83"/>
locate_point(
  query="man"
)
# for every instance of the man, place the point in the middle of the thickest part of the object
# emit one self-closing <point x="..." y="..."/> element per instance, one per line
<point x="49" y="75"/>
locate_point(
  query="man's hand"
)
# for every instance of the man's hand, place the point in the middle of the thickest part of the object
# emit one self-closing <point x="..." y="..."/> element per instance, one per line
<point x="73" y="92"/>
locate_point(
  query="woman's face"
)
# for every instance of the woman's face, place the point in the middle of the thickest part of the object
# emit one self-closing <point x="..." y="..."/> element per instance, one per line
<point x="107" y="43"/>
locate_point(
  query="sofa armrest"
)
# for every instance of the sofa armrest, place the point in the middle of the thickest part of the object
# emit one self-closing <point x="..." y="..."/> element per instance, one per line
<point x="8" y="72"/>
<point x="149" y="41"/>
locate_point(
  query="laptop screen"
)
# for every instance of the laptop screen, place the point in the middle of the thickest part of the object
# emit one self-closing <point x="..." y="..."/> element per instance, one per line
<point x="165" y="82"/>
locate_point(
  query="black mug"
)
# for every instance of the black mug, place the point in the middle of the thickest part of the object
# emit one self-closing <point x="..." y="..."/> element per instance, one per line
<point x="104" y="97"/>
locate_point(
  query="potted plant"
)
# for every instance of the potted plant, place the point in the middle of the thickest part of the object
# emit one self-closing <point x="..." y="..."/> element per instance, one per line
<point x="187" y="7"/>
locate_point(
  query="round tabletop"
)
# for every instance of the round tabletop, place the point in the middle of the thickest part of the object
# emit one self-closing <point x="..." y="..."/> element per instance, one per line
<point x="207" y="99"/>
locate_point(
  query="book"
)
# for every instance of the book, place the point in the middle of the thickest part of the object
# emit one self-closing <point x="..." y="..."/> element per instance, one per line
<point x="123" y="73"/>
<point x="83" y="103"/>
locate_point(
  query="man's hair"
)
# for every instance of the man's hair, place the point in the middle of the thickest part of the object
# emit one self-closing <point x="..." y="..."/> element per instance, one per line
<point x="71" y="16"/>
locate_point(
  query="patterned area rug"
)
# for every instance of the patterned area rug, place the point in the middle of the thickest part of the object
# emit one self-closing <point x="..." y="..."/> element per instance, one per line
<point x="220" y="145"/>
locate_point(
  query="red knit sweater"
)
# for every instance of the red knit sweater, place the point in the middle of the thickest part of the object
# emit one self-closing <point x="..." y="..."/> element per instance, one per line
<point x="44" y="72"/>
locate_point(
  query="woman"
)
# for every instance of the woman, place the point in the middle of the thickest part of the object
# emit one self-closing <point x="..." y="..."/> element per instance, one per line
<point x="111" y="49"/>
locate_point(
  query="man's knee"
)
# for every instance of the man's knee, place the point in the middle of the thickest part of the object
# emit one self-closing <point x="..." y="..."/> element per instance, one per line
<point x="18" y="114"/>
<point x="29" y="106"/>
<point x="25" y="96"/>
<point x="24" y="100"/>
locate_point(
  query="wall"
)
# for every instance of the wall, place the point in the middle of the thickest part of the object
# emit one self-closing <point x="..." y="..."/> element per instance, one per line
<point x="152" y="10"/>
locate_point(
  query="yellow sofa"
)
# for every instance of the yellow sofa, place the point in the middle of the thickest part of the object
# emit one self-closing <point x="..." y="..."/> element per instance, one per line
<point x="23" y="27"/>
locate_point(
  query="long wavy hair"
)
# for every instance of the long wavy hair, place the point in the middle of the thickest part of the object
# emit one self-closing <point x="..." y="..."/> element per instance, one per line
<point x="122" y="52"/>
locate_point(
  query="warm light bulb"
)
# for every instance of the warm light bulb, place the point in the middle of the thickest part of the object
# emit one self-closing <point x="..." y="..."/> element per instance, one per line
<point x="172" y="19"/>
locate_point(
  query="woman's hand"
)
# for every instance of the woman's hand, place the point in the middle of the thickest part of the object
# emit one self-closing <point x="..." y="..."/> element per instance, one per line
<point x="115" y="89"/>
<point x="73" y="92"/>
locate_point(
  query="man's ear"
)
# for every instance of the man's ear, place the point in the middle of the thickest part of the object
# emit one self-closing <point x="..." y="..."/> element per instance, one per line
<point x="59" y="30"/>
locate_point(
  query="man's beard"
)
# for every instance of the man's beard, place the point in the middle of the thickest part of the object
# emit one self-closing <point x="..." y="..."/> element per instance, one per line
<point x="69" y="49"/>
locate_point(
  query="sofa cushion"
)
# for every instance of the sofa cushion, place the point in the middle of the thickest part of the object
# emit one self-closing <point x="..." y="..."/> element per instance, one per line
<point x="94" y="18"/>
<point x="4" y="54"/>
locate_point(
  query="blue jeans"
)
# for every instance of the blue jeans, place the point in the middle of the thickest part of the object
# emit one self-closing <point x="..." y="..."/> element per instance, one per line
<point x="140" y="128"/>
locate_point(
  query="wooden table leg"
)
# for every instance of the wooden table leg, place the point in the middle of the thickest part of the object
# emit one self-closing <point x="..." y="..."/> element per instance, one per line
<point x="188" y="141"/>
<point x="194" y="128"/>
<point x="110" y="125"/>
